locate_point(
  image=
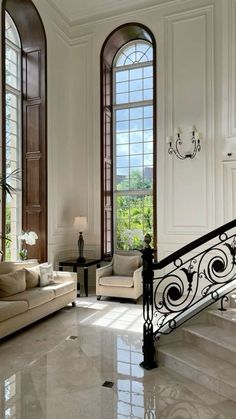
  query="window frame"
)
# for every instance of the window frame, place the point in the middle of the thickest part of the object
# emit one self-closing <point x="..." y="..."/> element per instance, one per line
<point x="34" y="123"/>
<point x="117" y="39"/>
<point x="17" y="92"/>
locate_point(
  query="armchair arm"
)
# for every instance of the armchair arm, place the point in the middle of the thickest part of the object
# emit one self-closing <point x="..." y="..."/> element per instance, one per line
<point x="138" y="279"/>
<point x="104" y="271"/>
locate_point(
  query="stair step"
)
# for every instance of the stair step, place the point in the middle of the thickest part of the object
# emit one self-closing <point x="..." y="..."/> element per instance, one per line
<point x="212" y="340"/>
<point x="215" y="374"/>
<point x="223" y="319"/>
<point x="233" y="300"/>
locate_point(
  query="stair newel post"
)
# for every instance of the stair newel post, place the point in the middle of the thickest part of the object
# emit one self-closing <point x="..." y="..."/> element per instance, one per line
<point x="147" y="274"/>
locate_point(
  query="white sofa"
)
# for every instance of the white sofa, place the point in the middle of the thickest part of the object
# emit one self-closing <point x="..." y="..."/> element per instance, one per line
<point x="122" y="277"/>
<point x="22" y="308"/>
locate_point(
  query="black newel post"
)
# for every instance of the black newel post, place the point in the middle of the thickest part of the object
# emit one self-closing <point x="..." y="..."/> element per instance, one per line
<point x="148" y="339"/>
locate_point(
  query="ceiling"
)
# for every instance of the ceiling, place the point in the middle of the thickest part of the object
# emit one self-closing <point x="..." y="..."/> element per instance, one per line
<point x="82" y="11"/>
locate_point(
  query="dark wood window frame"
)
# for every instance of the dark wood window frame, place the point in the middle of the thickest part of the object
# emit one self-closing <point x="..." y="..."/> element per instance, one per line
<point x="34" y="121"/>
<point x="117" y="39"/>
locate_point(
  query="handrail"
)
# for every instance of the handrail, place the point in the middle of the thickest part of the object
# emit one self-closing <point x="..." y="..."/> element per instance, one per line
<point x="189" y="286"/>
<point x="193" y="245"/>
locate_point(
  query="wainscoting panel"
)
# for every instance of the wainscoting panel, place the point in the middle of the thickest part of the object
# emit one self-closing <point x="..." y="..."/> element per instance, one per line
<point x="189" y="97"/>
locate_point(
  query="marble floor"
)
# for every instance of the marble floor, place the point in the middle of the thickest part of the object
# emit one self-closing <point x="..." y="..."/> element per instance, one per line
<point x="56" y="369"/>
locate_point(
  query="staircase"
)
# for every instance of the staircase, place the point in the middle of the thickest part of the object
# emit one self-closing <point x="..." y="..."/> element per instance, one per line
<point x="205" y="351"/>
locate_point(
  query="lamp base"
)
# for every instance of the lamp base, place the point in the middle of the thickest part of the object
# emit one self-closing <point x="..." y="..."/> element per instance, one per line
<point x="80" y="259"/>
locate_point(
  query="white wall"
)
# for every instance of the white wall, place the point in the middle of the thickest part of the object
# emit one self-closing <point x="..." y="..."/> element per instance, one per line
<point x="196" y="73"/>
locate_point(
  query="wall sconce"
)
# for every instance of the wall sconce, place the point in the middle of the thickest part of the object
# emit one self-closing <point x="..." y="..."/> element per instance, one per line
<point x="174" y="144"/>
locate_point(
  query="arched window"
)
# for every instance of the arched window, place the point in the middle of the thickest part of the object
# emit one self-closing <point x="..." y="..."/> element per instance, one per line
<point x="128" y="138"/>
<point x="13" y="147"/>
<point x="24" y="139"/>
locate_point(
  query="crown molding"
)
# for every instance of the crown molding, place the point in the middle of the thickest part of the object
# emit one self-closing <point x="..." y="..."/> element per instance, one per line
<point x="103" y="12"/>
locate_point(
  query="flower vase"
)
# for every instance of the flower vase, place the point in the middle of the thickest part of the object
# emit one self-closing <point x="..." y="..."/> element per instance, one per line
<point x="23" y="254"/>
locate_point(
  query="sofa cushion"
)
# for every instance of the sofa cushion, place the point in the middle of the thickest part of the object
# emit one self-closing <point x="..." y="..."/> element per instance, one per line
<point x="8" y="267"/>
<point x="10" y="309"/>
<point x="32" y="276"/>
<point x="125" y="265"/>
<point x="117" y="281"/>
<point x="12" y="283"/>
<point x="61" y="288"/>
<point x="46" y="274"/>
<point x="34" y="296"/>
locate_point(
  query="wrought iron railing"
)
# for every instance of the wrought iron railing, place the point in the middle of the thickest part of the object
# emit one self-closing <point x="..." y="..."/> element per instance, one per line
<point x="195" y="277"/>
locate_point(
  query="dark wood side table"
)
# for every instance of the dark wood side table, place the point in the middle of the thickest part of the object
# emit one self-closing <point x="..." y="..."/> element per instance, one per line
<point x="85" y="265"/>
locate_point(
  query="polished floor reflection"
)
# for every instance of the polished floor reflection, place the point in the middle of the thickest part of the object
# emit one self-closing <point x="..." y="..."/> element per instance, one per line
<point x="56" y="370"/>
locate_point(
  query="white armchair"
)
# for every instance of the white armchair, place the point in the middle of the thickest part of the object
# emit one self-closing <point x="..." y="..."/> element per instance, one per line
<point x="120" y="278"/>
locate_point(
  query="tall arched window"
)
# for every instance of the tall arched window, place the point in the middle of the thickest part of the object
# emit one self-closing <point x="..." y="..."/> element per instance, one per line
<point x="128" y="163"/>
<point x="24" y="129"/>
<point x="13" y="147"/>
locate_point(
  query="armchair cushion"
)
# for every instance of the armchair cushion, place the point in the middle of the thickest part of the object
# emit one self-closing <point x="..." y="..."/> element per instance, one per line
<point x="117" y="281"/>
<point x="125" y="265"/>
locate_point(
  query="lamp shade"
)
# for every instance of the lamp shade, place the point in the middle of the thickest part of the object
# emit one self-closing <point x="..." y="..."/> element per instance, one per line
<point x="80" y="223"/>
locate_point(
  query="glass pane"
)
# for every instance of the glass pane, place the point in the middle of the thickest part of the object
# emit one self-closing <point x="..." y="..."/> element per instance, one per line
<point x="11" y="80"/>
<point x="11" y="99"/>
<point x="136" y="125"/>
<point x="148" y="174"/>
<point x="148" y="111"/>
<point x="11" y="54"/>
<point x="122" y="150"/>
<point x="122" y="115"/>
<point x="136" y="113"/>
<point x="148" y="71"/>
<point x="122" y="98"/>
<point x="136" y="85"/>
<point x="147" y="83"/>
<point x="136" y="161"/>
<point x="120" y="60"/>
<point x="121" y="175"/>
<point x="122" y="75"/>
<point x="148" y="159"/>
<point x="122" y="138"/>
<point x="10" y="31"/>
<point x="122" y="126"/>
<point x="135" y="96"/>
<point x="136" y="148"/>
<point x="148" y="123"/>
<point x="136" y="73"/>
<point x="122" y="87"/>
<point x="11" y="113"/>
<point x="122" y="162"/>
<point x="148" y="136"/>
<point x="136" y="137"/>
<point x="147" y="94"/>
<point x="148" y="147"/>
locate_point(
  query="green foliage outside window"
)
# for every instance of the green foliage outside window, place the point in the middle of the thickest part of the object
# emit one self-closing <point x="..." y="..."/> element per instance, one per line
<point x="134" y="212"/>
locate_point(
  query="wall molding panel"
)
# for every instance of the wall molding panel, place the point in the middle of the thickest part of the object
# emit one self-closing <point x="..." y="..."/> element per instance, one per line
<point x="190" y="76"/>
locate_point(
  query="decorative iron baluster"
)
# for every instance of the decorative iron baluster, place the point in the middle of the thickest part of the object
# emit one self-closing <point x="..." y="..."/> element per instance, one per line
<point x="148" y="338"/>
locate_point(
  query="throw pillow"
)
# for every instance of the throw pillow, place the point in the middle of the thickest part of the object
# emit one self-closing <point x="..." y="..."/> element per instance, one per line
<point x="46" y="274"/>
<point x="125" y="265"/>
<point x="32" y="276"/>
<point x="12" y="283"/>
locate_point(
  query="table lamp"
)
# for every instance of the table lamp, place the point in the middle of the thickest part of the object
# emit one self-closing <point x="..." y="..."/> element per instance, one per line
<point x="80" y="224"/>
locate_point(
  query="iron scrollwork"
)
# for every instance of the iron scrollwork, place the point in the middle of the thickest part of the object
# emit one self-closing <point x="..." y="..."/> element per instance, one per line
<point x="194" y="284"/>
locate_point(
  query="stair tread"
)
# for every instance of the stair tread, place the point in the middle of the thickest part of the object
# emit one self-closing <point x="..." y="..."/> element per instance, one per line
<point x="210" y="365"/>
<point x="217" y="335"/>
<point x="229" y="314"/>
